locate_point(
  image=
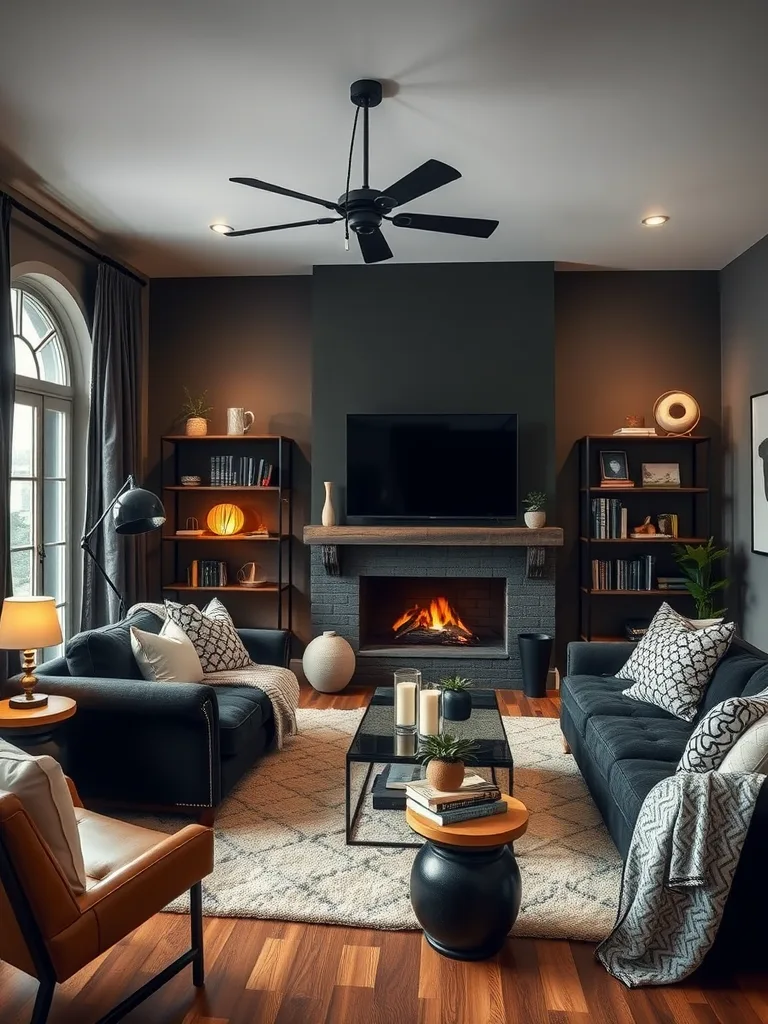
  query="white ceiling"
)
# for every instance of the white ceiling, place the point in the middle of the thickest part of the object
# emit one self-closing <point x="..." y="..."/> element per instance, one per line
<point x="569" y="120"/>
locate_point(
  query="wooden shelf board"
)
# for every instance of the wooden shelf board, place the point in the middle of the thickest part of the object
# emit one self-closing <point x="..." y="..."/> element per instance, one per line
<point x="227" y="437"/>
<point x="220" y="487"/>
<point x="643" y="540"/>
<point x="635" y="593"/>
<point x="271" y="589"/>
<point x="647" y="438"/>
<point x="444" y="536"/>
<point x="211" y="538"/>
<point x="646" y="490"/>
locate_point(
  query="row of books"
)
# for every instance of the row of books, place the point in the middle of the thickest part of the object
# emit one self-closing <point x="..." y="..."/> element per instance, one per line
<point x="609" y="519"/>
<point x="476" y="799"/>
<point x="623" y="573"/>
<point x="246" y="472"/>
<point x="206" y="572"/>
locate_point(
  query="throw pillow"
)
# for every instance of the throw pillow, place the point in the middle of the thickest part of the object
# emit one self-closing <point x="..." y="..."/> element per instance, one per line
<point x="216" y="641"/>
<point x="40" y="785"/>
<point x="674" y="662"/>
<point x="750" y="751"/>
<point x="719" y="732"/>
<point x="166" y="657"/>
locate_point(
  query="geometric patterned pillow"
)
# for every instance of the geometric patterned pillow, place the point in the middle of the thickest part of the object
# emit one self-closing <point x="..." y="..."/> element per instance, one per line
<point x="215" y="639"/>
<point x="719" y="731"/>
<point x="674" y="662"/>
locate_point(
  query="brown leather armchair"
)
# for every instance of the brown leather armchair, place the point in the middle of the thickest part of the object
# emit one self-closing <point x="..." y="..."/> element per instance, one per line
<point x="49" y="932"/>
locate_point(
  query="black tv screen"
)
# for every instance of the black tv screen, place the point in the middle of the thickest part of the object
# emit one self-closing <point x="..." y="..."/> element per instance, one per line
<point x="425" y="466"/>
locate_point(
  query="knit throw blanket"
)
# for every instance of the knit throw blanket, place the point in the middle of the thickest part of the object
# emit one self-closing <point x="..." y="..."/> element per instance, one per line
<point x="279" y="684"/>
<point x="684" y="852"/>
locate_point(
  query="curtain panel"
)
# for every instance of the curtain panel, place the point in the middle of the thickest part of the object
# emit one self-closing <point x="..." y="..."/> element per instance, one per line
<point x="7" y="390"/>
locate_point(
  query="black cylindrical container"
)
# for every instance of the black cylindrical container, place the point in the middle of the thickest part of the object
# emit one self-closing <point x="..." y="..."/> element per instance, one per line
<point x="535" y="654"/>
<point x="457" y="705"/>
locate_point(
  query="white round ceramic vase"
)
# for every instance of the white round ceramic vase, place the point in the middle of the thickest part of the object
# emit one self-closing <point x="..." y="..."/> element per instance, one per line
<point x="535" y="520"/>
<point x="329" y="662"/>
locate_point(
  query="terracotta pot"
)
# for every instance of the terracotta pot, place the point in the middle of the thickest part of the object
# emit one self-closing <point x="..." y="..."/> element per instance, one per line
<point x="445" y="775"/>
<point x="535" y="520"/>
<point x="196" y="426"/>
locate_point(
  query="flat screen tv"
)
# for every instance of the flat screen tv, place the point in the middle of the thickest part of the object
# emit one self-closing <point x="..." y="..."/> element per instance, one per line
<point x="425" y="466"/>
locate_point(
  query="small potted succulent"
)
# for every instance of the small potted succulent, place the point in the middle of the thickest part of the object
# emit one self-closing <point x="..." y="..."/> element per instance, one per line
<point x="445" y="757"/>
<point x="535" y="504"/>
<point x="457" y="700"/>
<point x="195" y="411"/>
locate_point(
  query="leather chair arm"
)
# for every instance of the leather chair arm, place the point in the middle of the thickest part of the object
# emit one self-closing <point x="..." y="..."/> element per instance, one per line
<point x="77" y="802"/>
<point x="595" y="659"/>
<point x="267" y="646"/>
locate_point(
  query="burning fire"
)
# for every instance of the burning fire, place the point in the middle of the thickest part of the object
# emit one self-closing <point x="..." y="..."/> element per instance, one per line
<point x="439" y="617"/>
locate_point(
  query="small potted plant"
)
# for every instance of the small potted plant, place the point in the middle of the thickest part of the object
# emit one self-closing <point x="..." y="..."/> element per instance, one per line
<point x="457" y="700"/>
<point x="445" y="757"/>
<point x="696" y="562"/>
<point x="195" y="411"/>
<point x="535" y="503"/>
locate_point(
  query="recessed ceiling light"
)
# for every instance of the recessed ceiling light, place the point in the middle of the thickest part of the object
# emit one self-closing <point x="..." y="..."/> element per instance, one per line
<point x="220" y="229"/>
<point x="656" y="220"/>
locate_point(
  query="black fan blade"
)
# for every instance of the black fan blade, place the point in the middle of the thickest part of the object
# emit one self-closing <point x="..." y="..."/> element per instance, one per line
<point x="279" y="227"/>
<point x="266" y="187"/>
<point x="474" y="227"/>
<point x="431" y="175"/>
<point x="374" y="247"/>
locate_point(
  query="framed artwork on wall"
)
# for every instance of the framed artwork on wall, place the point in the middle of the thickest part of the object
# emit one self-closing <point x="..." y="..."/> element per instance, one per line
<point x="760" y="473"/>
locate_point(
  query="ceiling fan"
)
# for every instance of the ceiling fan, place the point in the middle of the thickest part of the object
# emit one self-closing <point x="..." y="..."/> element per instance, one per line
<point x="363" y="209"/>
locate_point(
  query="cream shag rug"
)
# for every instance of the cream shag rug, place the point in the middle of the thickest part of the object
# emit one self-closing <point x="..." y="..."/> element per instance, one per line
<point x="280" y="850"/>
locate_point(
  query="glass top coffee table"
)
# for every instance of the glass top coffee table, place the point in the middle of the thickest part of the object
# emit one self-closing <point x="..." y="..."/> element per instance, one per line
<point x="376" y="742"/>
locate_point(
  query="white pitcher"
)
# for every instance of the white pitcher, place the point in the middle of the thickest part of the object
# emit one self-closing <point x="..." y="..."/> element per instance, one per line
<point x="239" y="421"/>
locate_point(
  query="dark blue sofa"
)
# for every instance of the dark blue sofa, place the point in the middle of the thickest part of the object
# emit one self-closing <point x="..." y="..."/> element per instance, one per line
<point x="624" y="747"/>
<point x="163" y="745"/>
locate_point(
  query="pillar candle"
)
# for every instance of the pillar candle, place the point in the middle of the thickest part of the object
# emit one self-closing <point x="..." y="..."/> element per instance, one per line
<point x="429" y="713"/>
<point x="405" y="704"/>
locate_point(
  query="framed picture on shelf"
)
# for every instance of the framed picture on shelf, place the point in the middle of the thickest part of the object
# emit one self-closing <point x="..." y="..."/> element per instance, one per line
<point x="613" y="466"/>
<point x="760" y="473"/>
<point x="661" y="474"/>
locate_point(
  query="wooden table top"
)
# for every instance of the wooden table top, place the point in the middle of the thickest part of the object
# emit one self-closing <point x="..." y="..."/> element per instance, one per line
<point x="495" y="830"/>
<point x="58" y="709"/>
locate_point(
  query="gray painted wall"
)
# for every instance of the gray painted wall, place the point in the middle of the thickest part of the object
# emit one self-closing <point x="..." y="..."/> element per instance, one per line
<point x="744" y="296"/>
<point x="448" y="337"/>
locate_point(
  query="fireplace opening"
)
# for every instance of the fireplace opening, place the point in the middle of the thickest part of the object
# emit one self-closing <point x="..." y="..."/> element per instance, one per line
<point x="433" y="616"/>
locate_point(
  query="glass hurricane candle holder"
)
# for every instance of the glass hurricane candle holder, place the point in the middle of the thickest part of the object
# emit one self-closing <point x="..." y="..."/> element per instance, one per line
<point x="430" y="712"/>
<point x="407" y="687"/>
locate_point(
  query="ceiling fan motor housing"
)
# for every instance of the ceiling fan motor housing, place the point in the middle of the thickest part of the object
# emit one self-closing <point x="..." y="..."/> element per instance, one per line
<point x="364" y="218"/>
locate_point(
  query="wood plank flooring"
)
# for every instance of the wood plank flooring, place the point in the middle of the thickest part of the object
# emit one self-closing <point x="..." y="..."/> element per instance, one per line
<point x="268" y="972"/>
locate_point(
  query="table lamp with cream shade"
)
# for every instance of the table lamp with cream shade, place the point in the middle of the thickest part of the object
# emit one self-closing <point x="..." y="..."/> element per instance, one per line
<point x="26" y="624"/>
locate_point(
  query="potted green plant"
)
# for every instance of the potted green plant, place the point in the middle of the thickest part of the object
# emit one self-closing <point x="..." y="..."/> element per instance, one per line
<point x="457" y="700"/>
<point x="696" y="562"/>
<point x="535" y="504"/>
<point x="445" y="757"/>
<point x="195" y="411"/>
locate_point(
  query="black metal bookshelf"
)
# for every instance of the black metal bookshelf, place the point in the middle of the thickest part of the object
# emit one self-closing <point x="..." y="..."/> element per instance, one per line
<point x="272" y="506"/>
<point x="602" y="612"/>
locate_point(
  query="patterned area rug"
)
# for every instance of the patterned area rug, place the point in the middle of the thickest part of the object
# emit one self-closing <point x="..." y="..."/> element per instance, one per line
<point x="280" y="850"/>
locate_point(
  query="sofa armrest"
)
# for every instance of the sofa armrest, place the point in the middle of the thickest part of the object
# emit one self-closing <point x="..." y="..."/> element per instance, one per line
<point x="596" y="659"/>
<point x="268" y="646"/>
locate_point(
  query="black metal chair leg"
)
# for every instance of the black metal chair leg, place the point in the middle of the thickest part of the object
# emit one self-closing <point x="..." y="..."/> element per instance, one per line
<point x="196" y="919"/>
<point x="43" y="1002"/>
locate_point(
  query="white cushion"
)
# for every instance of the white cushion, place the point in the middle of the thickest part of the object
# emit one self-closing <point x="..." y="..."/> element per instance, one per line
<point x="40" y="785"/>
<point x="719" y="732"/>
<point x="750" y="752"/>
<point x="168" y="656"/>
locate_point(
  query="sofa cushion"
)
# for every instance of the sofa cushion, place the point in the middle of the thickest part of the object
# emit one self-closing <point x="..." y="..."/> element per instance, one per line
<point x="611" y="739"/>
<point x="107" y="652"/>
<point x="243" y="711"/>
<point x="585" y="696"/>
<point x="719" y="732"/>
<point x="736" y="674"/>
<point x="630" y="782"/>
<point x="216" y="640"/>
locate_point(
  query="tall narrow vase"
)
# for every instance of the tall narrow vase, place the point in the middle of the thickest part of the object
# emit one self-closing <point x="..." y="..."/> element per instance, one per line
<point x="329" y="512"/>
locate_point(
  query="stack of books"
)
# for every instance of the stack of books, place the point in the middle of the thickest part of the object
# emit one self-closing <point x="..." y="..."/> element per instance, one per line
<point x="206" y="572"/>
<point x="476" y="799"/>
<point x="672" y="583"/>
<point x="636" y="431"/>
<point x="617" y="483"/>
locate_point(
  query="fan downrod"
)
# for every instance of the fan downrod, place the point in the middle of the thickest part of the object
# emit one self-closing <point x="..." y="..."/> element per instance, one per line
<point x="366" y="92"/>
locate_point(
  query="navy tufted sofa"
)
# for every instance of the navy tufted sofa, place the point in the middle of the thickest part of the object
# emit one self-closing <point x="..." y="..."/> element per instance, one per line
<point x="624" y="747"/>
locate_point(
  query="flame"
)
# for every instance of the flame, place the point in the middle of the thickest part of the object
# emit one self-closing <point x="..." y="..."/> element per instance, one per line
<point x="437" y="616"/>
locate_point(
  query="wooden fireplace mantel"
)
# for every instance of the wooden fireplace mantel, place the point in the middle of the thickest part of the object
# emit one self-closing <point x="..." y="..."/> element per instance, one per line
<point x="444" y="536"/>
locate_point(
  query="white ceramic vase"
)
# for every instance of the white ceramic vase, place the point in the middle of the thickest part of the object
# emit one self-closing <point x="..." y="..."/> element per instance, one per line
<point x="535" y="520"/>
<point x="329" y="662"/>
<point x="329" y="512"/>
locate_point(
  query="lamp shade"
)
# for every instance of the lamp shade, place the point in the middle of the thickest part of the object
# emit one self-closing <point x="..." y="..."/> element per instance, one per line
<point x="225" y="519"/>
<point x="138" y="511"/>
<point x="29" y="622"/>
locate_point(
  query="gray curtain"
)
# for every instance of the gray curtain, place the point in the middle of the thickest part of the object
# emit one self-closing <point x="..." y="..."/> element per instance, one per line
<point x="7" y="389"/>
<point x="113" y="444"/>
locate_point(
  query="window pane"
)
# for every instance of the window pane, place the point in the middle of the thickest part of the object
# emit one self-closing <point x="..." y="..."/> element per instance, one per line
<point x="55" y="442"/>
<point x="25" y="361"/>
<point x="21" y="572"/>
<point x="22" y="514"/>
<point x="52" y="361"/>
<point x="54" y="511"/>
<point x="35" y="322"/>
<point x="23" y="457"/>
<point x="54" y="568"/>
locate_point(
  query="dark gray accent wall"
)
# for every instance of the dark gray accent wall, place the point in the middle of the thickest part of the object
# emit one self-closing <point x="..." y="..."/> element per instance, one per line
<point x="447" y="337"/>
<point x="744" y="291"/>
<point x="247" y="341"/>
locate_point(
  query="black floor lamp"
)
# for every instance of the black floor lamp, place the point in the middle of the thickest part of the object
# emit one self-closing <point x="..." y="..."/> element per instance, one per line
<point x="134" y="511"/>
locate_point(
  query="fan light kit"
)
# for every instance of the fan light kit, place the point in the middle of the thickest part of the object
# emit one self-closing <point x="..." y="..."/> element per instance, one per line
<point x="363" y="209"/>
<point x="220" y="229"/>
<point x="656" y="220"/>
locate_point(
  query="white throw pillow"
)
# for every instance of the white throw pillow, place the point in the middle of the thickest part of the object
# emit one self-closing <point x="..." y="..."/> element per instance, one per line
<point x="168" y="656"/>
<point x="719" y="732"/>
<point x="213" y="633"/>
<point x="674" y="662"/>
<point x="750" y="752"/>
<point x="40" y="785"/>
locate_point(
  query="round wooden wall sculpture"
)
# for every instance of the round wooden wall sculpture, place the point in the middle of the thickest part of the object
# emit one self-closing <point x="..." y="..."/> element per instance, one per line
<point x="225" y="519"/>
<point x="676" y="412"/>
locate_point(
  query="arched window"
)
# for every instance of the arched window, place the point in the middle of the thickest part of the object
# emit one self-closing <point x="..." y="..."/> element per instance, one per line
<point x="41" y="509"/>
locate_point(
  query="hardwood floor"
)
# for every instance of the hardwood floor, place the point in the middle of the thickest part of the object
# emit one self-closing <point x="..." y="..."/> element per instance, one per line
<point x="267" y="972"/>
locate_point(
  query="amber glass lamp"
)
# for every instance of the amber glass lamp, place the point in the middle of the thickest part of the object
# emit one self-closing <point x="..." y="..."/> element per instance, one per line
<point x="225" y="519"/>
<point x="27" y="623"/>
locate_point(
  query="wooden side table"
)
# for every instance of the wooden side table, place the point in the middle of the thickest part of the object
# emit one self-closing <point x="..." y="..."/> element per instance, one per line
<point x="37" y="731"/>
<point x="465" y="882"/>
